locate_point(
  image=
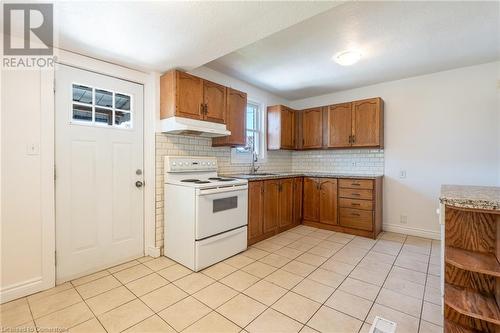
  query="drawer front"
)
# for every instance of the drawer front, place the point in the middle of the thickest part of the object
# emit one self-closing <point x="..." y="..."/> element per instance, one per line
<point x="354" y="203"/>
<point x="356" y="218"/>
<point x="352" y="193"/>
<point x="366" y="184"/>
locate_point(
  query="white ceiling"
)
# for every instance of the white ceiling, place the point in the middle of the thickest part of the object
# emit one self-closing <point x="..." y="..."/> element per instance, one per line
<point x="159" y="35"/>
<point x="397" y="40"/>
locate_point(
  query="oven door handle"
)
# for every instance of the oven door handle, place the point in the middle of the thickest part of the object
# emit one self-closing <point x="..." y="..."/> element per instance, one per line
<point x="223" y="189"/>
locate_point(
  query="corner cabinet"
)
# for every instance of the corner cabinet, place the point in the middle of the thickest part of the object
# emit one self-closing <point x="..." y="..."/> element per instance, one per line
<point x="235" y="120"/>
<point x="320" y="200"/>
<point x="280" y="128"/>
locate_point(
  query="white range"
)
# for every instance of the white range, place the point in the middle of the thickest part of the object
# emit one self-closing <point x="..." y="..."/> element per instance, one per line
<point x="205" y="215"/>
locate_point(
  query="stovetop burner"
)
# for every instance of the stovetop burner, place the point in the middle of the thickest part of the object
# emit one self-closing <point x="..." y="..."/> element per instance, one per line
<point x="190" y="180"/>
<point x="220" y="179"/>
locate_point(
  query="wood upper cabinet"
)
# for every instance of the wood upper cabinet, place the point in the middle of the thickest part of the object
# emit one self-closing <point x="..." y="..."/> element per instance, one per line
<point x="235" y="120"/>
<point x="280" y="127"/>
<point x="328" y="201"/>
<point x="367" y="123"/>
<point x="339" y="125"/>
<point x="298" y="186"/>
<point x="255" y="211"/>
<point x="214" y="98"/>
<point x="271" y="205"/>
<point x="311" y="198"/>
<point x="286" y="193"/>
<point x="181" y="95"/>
<point x="312" y="128"/>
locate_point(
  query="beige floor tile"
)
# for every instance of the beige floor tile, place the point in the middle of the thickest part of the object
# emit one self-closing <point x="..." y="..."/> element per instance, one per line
<point x="314" y="290"/>
<point x="239" y="280"/>
<point x="360" y="288"/>
<point x="426" y="327"/>
<point x="239" y="261"/>
<point x="146" y="284"/>
<point x="284" y="241"/>
<point x="67" y="317"/>
<point x="291" y="235"/>
<point x="275" y="260"/>
<point x="90" y="326"/>
<point x="218" y="271"/>
<point x="301" y="246"/>
<point x="329" y="320"/>
<point x="43" y="306"/>
<point x="125" y="316"/>
<point x="288" y="253"/>
<point x="387" y="247"/>
<point x="98" y="286"/>
<point x="194" y="282"/>
<point x="432" y="313"/>
<point x="213" y="323"/>
<point x="163" y="297"/>
<point x="89" y="278"/>
<point x="123" y="266"/>
<point x="284" y="279"/>
<point x="406" y="323"/>
<point x="392" y="236"/>
<point x="144" y="259"/>
<point x="338" y="267"/>
<point x="296" y="306"/>
<point x="307" y="329"/>
<point x="352" y="305"/>
<point x="405" y="287"/>
<point x="311" y="240"/>
<point x="365" y="328"/>
<point x="110" y="300"/>
<point x="434" y="270"/>
<point x="50" y="292"/>
<point x="133" y="273"/>
<point x="273" y="321"/>
<point x="376" y="257"/>
<point x="329" y="278"/>
<point x="255" y="253"/>
<point x="268" y="246"/>
<point x="259" y="269"/>
<point x="322" y="251"/>
<point x="433" y="281"/>
<point x="363" y="242"/>
<point x="331" y="245"/>
<point x="407" y="274"/>
<point x="241" y="309"/>
<point x="159" y="263"/>
<point x="311" y="259"/>
<point x="265" y="292"/>
<point x="339" y="238"/>
<point x="432" y="295"/>
<point x="215" y="294"/>
<point x="15" y="313"/>
<point x="174" y="272"/>
<point x="184" y="313"/>
<point x="369" y="275"/>
<point x="153" y="324"/>
<point x="410" y="263"/>
<point x="400" y="302"/>
<point x="298" y="268"/>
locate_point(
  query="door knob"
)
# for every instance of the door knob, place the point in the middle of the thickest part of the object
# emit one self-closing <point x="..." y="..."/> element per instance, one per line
<point x="139" y="183"/>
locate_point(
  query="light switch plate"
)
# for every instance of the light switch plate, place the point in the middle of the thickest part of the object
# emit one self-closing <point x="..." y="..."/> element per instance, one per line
<point x="33" y="149"/>
<point x="402" y="174"/>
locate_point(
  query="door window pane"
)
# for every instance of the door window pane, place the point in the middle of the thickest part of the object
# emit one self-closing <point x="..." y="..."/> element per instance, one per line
<point x="122" y="102"/>
<point x="82" y="113"/>
<point x="103" y="98"/>
<point x="82" y="94"/>
<point x="104" y="116"/>
<point x="123" y="119"/>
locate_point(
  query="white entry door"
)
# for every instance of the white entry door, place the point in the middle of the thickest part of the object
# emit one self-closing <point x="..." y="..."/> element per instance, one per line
<point x="99" y="163"/>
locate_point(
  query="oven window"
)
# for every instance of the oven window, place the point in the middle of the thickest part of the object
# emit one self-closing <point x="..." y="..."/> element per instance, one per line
<point x="225" y="204"/>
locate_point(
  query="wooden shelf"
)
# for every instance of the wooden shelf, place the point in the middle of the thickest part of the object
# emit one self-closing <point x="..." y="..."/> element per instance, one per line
<point x="452" y="327"/>
<point x="472" y="261"/>
<point x="472" y="304"/>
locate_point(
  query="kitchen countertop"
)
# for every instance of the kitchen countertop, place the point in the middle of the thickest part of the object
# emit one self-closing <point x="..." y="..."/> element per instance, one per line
<point x="472" y="197"/>
<point x="277" y="175"/>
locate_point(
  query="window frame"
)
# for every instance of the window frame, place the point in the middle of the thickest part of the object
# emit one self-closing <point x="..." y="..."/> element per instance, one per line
<point x="244" y="157"/>
<point x="93" y="106"/>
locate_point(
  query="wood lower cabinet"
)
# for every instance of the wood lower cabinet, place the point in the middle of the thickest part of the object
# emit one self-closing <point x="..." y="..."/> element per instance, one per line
<point x="235" y="120"/>
<point x="255" y="210"/>
<point x="311" y="199"/>
<point x="280" y="127"/>
<point x="271" y="208"/>
<point x="285" y="204"/>
<point x="328" y="201"/>
<point x="298" y="190"/>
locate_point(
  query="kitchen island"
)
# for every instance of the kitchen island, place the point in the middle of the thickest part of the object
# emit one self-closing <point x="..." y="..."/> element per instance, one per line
<point x="471" y="251"/>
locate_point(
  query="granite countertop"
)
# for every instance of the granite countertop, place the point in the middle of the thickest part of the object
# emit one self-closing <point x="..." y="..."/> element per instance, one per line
<point x="277" y="175"/>
<point x="472" y="197"/>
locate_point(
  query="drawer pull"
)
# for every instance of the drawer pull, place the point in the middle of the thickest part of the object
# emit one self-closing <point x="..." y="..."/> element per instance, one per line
<point x="355" y="184"/>
<point x="355" y="204"/>
<point x="355" y="214"/>
<point x="356" y="194"/>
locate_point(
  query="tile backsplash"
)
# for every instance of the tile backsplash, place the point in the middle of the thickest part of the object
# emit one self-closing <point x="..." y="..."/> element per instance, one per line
<point x="362" y="161"/>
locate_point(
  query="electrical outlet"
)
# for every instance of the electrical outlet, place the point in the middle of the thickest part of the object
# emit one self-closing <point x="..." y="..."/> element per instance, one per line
<point x="353" y="164"/>
<point x="402" y="174"/>
<point x="32" y="149"/>
<point x="403" y="219"/>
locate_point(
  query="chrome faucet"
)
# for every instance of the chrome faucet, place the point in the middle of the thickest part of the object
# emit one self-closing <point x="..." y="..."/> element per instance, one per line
<point x="253" y="168"/>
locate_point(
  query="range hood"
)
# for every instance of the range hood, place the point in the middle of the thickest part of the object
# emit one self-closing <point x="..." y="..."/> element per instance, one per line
<point x="186" y="126"/>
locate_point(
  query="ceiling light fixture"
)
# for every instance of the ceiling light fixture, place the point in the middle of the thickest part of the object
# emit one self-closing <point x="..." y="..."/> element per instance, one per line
<point x="347" y="58"/>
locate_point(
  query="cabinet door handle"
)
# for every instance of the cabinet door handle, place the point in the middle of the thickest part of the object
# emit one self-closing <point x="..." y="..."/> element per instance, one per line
<point x="206" y="108"/>
<point x="353" y="138"/>
<point x="202" y="108"/>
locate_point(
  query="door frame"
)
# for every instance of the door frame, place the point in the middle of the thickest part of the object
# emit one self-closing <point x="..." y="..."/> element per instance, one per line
<point x="150" y="83"/>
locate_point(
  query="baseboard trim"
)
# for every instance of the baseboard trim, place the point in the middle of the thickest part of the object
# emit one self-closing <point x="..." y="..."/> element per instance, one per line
<point x="154" y="252"/>
<point x="22" y="289"/>
<point x="412" y="231"/>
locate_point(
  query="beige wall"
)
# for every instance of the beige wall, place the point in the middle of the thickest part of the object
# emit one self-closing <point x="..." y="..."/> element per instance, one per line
<point x="441" y="128"/>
